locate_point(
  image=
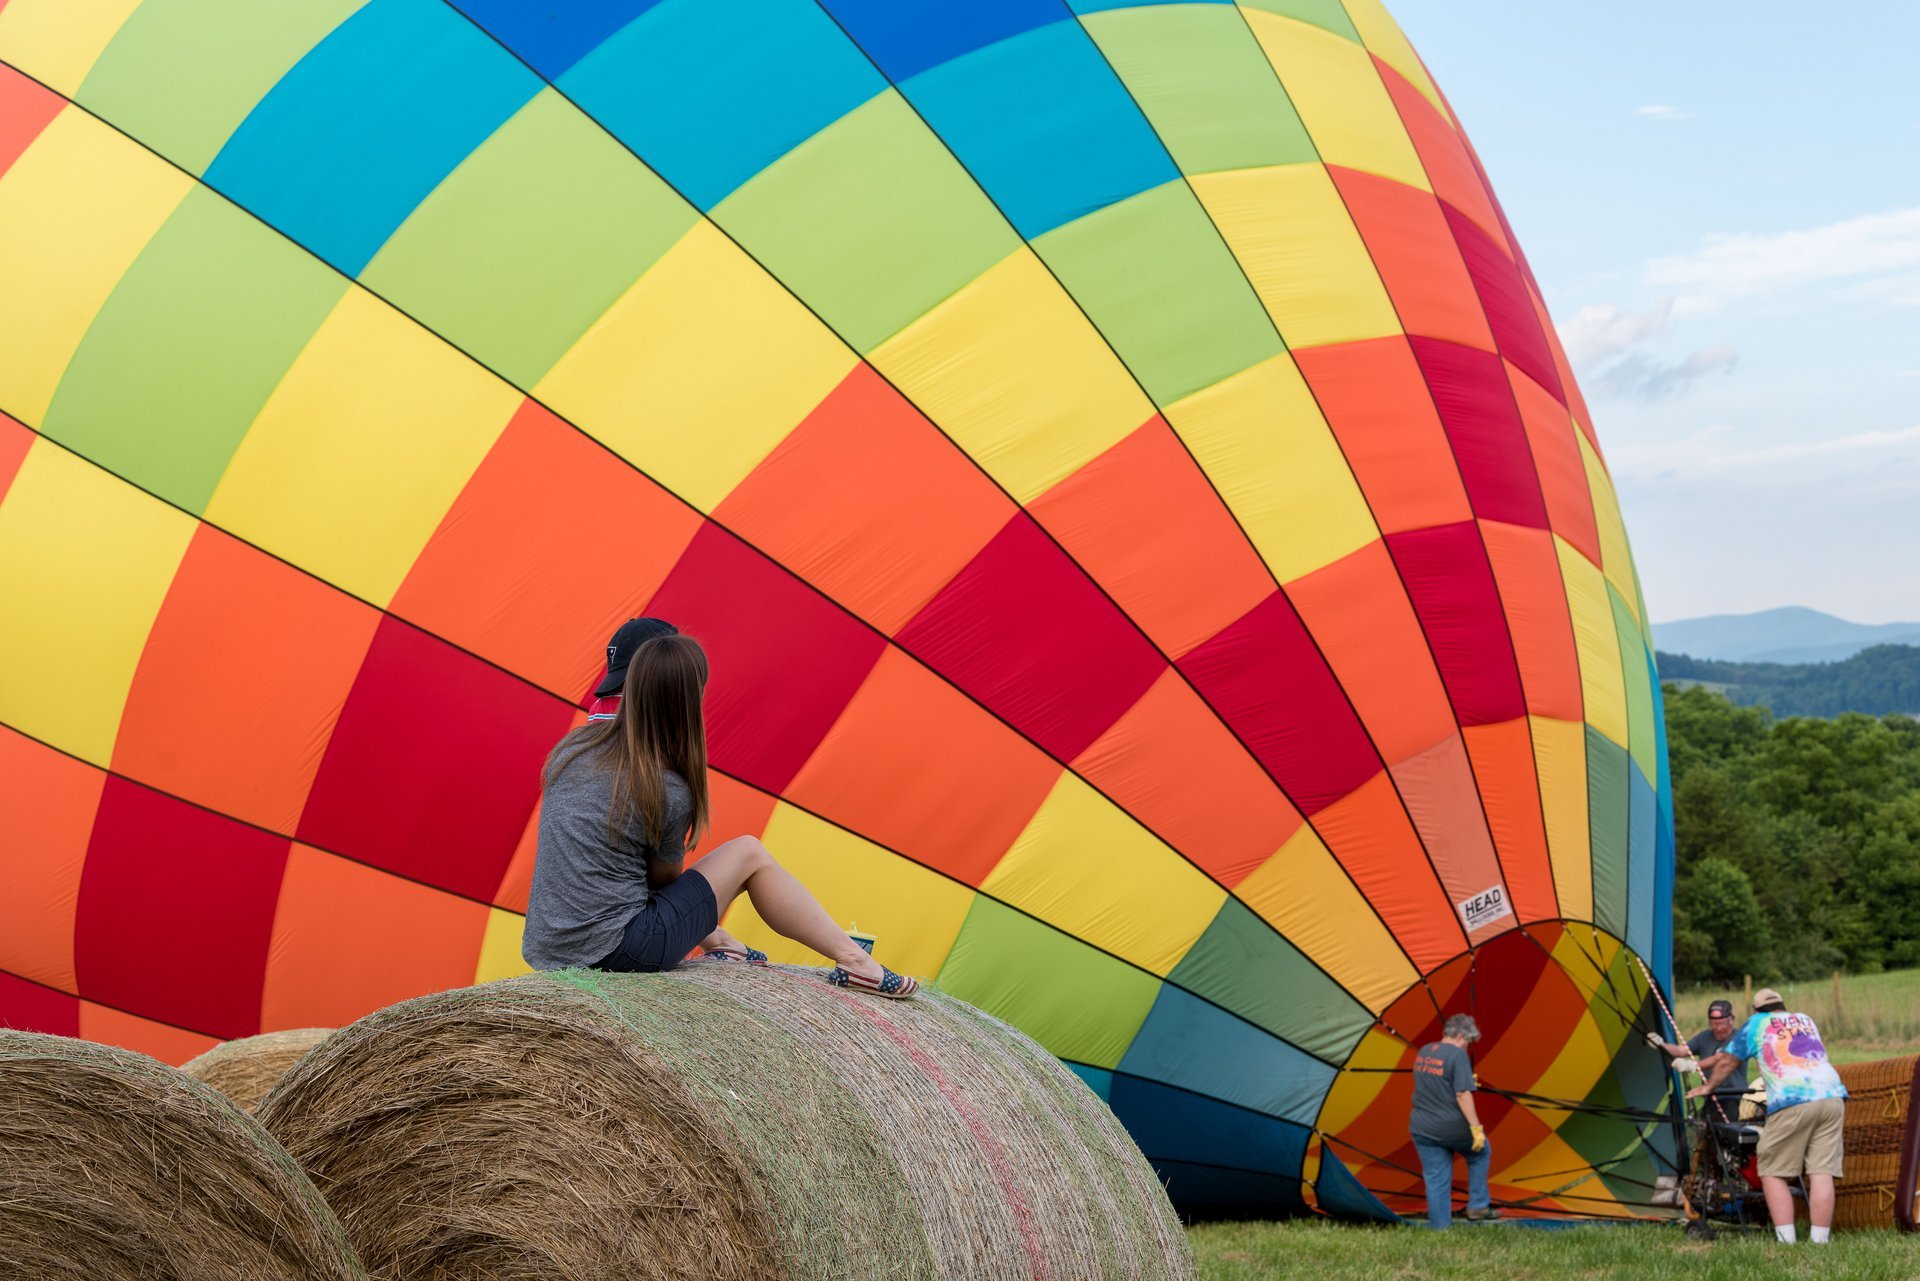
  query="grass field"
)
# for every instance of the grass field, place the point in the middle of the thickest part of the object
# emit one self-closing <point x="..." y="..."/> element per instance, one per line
<point x="1324" y="1251"/>
<point x="1861" y="1016"/>
<point x="1868" y="1016"/>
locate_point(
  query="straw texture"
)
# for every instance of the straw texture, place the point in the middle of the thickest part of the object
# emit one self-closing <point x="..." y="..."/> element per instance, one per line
<point x="719" y="1121"/>
<point x="114" y="1166"/>
<point x="244" y="1070"/>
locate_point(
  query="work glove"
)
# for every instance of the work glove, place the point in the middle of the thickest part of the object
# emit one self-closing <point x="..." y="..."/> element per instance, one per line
<point x="1686" y="1065"/>
<point x="1654" y="1039"/>
<point x="1479" y="1137"/>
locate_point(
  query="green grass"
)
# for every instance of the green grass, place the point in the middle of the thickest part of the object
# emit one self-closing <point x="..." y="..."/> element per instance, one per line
<point x="1504" y="1252"/>
<point x="1861" y="1016"/>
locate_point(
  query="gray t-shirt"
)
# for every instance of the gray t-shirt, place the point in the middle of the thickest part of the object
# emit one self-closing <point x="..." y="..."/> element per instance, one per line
<point x="1703" y="1043"/>
<point x="585" y="888"/>
<point x="1440" y="1071"/>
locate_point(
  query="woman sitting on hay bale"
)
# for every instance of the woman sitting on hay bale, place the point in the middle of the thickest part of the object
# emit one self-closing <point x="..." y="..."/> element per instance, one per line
<point x="624" y="796"/>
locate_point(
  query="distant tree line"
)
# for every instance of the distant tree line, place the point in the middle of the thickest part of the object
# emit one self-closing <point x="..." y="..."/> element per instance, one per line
<point x="1883" y="678"/>
<point x="1798" y="839"/>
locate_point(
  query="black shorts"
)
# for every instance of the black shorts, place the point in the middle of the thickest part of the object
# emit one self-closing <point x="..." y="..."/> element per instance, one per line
<point x="672" y="924"/>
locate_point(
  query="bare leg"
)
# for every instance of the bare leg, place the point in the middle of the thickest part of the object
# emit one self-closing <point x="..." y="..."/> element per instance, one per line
<point x="719" y="939"/>
<point x="1819" y="1200"/>
<point x="1780" y="1200"/>
<point x="782" y="901"/>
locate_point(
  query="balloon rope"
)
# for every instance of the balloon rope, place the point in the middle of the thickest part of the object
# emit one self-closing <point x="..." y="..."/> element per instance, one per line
<point x="1675" y="1025"/>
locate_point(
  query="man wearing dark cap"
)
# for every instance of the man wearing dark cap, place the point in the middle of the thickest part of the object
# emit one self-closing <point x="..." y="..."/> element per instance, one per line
<point x="620" y="647"/>
<point x="1704" y="1044"/>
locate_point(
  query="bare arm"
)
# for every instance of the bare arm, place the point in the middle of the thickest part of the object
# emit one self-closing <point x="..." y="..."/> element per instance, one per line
<point x="1465" y="1100"/>
<point x="1717" y="1068"/>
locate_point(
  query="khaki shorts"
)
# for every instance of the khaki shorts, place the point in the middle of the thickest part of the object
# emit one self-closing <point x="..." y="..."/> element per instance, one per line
<point x="1804" y="1135"/>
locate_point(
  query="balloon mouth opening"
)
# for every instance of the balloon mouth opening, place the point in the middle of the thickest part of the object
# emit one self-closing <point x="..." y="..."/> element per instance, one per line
<point x="1573" y="1099"/>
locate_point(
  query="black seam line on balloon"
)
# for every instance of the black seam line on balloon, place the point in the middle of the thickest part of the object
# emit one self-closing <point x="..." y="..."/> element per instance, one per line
<point x="1603" y="1167"/>
<point x="1459" y="726"/>
<point x="107" y="771"/>
<point x="1553" y="878"/>
<point x="1372" y="515"/>
<point x="1381" y="1194"/>
<point x="1539" y="487"/>
<point x="1426" y="640"/>
<point x="1631" y="1022"/>
<point x="987" y="476"/>
<point x="1174" y="432"/>
<point x="1190" y="1092"/>
<point x="1619" y="1003"/>
<point x="1617" y="1006"/>
<point x="1336" y="1140"/>
<point x="706" y="218"/>
<point x="1626" y="1020"/>
<point x="1167" y="979"/>
<point x="1598" y="1168"/>
<point x="1066" y="766"/>
<point x="109" y="1005"/>
<point x="1187" y="181"/>
<point x="1606" y="975"/>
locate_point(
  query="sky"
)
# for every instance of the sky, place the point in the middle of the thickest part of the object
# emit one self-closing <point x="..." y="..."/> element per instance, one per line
<point x="1722" y="205"/>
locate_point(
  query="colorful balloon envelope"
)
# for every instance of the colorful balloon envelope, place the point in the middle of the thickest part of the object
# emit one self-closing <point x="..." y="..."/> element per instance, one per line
<point x="1159" y="573"/>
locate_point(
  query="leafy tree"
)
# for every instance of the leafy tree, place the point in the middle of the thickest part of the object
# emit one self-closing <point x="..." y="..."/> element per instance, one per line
<point x="1705" y="728"/>
<point x="1878" y="680"/>
<point x="1717" y="901"/>
<point x="1797" y="840"/>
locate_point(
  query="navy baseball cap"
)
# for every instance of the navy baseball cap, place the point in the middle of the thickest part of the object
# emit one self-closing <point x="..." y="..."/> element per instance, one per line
<point x="632" y="634"/>
<point x="1720" y="1010"/>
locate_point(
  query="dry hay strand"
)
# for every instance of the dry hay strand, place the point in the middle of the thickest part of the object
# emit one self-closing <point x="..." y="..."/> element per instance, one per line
<point x="114" y="1166"/>
<point x="244" y="1070"/>
<point x="721" y="1121"/>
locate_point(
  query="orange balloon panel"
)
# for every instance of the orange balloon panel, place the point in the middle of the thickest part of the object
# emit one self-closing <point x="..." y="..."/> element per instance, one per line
<point x="1115" y="456"/>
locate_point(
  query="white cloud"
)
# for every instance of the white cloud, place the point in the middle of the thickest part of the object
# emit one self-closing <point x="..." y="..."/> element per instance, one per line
<point x="1882" y="248"/>
<point x="1644" y="377"/>
<point x="1715" y="449"/>
<point x="1661" y="111"/>
<point x="1901" y="289"/>
<point x="1601" y="330"/>
<point x="1604" y="341"/>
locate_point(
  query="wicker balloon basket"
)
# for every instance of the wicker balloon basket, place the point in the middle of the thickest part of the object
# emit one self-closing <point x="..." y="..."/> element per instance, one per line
<point x="1882" y="1145"/>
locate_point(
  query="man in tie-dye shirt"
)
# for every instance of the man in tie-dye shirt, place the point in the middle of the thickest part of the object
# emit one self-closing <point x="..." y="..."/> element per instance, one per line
<point x="1805" y="1109"/>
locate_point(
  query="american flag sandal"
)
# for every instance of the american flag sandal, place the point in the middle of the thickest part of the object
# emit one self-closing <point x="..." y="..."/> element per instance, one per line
<point x="751" y="955"/>
<point x="895" y="987"/>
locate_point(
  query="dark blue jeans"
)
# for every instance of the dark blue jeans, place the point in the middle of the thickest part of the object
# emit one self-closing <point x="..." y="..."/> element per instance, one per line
<point x="1436" y="1165"/>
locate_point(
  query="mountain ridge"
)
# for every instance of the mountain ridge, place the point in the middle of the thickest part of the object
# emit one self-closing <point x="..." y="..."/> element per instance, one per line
<point x="1789" y="634"/>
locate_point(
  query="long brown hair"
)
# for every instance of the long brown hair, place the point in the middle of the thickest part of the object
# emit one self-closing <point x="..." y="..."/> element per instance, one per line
<point x="661" y="726"/>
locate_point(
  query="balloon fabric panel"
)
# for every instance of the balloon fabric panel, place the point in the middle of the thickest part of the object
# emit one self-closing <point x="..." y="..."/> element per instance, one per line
<point x="1184" y="610"/>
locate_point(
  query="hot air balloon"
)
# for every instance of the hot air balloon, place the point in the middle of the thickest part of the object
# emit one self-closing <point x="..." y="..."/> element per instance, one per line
<point x="1159" y="571"/>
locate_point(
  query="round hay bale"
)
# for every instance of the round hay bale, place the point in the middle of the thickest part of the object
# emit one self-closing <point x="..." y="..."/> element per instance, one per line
<point x="721" y="1121"/>
<point x="244" y="1070"/>
<point x="115" y="1166"/>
